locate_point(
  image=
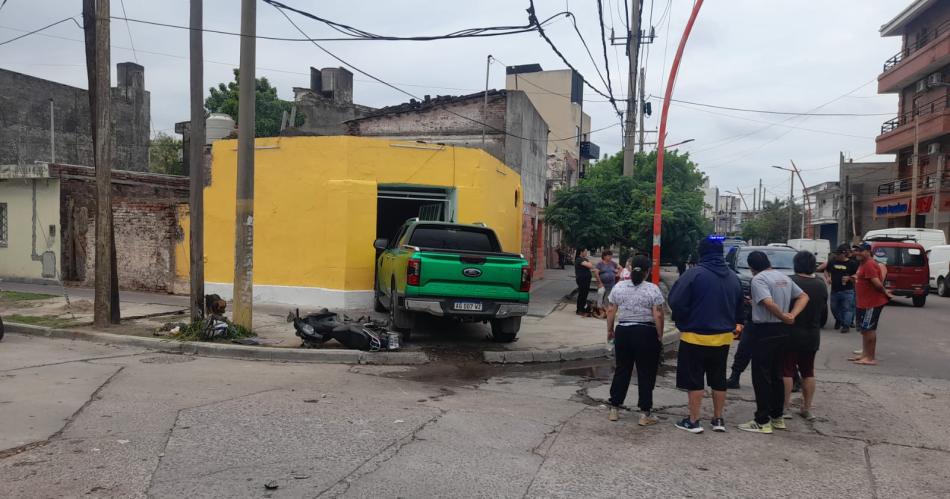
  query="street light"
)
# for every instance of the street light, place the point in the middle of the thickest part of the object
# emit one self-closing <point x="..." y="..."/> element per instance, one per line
<point x="791" y="186"/>
<point x="678" y="144"/>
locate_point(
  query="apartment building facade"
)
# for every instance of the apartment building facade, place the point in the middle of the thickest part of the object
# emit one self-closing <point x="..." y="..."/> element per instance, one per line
<point x="919" y="136"/>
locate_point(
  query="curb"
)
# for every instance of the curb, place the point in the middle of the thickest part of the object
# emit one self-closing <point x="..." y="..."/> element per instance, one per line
<point x="671" y="338"/>
<point x="227" y="351"/>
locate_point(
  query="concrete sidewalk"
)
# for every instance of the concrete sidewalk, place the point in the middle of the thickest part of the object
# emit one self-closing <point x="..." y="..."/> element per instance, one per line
<point x="547" y="293"/>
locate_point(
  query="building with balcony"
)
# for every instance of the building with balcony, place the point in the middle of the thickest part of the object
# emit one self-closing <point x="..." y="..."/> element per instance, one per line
<point x="858" y="184"/>
<point x="823" y="202"/>
<point x="919" y="194"/>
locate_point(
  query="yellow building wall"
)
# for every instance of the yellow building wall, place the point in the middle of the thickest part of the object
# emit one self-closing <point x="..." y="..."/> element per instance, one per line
<point x="315" y="205"/>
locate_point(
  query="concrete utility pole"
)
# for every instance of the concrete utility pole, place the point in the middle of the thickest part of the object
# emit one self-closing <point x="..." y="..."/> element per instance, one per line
<point x="96" y="17"/>
<point x="485" y="100"/>
<point x="791" y="201"/>
<point x="941" y="165"/>
<point x="633" y="52"/>
<point x="916" y="169"/>
<point x="196" y="171"/>
<point x="244" y="206"/>
<point x="642" y="101"/>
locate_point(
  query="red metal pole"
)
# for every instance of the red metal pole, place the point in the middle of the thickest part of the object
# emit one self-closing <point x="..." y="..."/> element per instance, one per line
<point x="661" y="139"/>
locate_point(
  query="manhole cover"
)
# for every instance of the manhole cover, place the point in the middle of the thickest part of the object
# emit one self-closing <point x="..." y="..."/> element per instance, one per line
<point x="167" y="359"/>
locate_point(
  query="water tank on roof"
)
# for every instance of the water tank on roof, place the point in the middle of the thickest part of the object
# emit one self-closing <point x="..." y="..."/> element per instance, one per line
<point x="218" y="126"/>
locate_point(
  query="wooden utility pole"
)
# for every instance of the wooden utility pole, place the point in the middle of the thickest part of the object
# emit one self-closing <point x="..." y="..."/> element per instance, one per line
<point x="96" y="25"/>
<point x="196" y="161"/>
<point x="244" y="207"/>
<point x="633" y="52"/>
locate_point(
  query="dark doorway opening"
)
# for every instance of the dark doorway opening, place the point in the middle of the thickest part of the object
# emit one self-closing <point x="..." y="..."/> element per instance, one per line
<point x="396" y="204"/>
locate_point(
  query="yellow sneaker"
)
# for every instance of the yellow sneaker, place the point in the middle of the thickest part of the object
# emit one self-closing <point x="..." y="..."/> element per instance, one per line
<point x="754" y="427"/>
<point x="614" y="414"/>
<point x="779" y="424"/>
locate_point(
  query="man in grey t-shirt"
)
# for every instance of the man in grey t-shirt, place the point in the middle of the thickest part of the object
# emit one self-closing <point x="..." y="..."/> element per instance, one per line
<point x="774" y="285"/>
<point x="772" y="296"/>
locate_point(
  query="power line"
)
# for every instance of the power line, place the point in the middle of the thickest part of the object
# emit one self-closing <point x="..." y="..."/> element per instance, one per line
<point x="603" y="42"/>
<point x="763" y="111"/>
<point x="128" y="28"/>
<point x="41" y="29"/>
<point x="359" y="34"/>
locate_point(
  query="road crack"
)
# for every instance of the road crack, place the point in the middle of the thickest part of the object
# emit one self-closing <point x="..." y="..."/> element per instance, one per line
<point x="376" y="461"/>
<point x="69" y="421"/>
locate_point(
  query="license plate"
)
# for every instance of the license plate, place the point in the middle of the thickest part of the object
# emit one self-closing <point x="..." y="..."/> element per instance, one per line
<point x="468" y="306"/>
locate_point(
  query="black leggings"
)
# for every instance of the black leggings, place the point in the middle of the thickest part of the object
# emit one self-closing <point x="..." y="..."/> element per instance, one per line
<point x="635" y="345"/>
<point x="583" y="289"/>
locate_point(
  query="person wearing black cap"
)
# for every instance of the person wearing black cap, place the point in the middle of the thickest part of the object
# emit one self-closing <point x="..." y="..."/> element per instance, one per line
<point x="707" y="305"/>
<point x="839" y="273"/>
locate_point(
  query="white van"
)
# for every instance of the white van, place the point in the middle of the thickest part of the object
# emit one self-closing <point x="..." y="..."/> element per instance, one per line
<point x="927" y="238"/>
<point x="821" y="248"/>
<point x="939" y="257"/>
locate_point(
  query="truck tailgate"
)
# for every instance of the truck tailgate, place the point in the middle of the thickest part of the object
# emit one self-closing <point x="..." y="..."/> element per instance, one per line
<point x="488" y="276"/>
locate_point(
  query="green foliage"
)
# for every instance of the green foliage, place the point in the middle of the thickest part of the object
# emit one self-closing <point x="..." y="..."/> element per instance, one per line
<point x="606" y="208"/>
<point x="771" y="224"/>
<point x="165" y="155"/>
<point x="268" y="109"/>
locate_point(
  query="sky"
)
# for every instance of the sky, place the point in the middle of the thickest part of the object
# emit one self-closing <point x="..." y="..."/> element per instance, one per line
<point x="752" y="54"/>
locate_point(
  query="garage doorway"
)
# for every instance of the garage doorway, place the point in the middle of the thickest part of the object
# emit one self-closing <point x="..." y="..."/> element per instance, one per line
<point x="397" y="203"/>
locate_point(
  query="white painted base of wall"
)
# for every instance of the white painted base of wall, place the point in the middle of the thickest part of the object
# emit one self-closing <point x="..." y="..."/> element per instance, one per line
<point x="298" y="296"/>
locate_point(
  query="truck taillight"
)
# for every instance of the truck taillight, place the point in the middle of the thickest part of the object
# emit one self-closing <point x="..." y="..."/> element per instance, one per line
<point x="525" y="278"/>
<point x="414" y="272"/>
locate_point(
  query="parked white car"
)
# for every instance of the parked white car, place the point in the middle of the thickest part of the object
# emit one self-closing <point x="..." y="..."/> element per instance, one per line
<point x="939" y="257"/>
<point x="927" y="238"/>
<point x="821" y="248"/>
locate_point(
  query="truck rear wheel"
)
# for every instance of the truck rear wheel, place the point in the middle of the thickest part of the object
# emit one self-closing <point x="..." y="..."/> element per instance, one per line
<point x="399" y="320"/>
<point x="942" y="288"/>
<point x="505" y="330"/>
<point x="919" y="301"/>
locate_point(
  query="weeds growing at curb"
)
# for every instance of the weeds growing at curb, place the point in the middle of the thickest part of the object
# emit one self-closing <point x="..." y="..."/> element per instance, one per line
<point x="41" y="320"/>
<point x="12" y="296"/>
<point x="201" y="331"/>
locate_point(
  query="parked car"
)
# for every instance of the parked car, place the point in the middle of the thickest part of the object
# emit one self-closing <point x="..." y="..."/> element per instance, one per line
<point x="907" y="272"/>
<point x="821" y="248"/>
<point x="451" y="270"/>
<point x="927" y="238"/>
<point x="939" y="257"/>
<point x="732" y="242"/>
<point x="781" y="258"/>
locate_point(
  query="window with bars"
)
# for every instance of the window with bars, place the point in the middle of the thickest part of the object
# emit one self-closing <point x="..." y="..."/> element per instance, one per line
<point x="3" y="225"/>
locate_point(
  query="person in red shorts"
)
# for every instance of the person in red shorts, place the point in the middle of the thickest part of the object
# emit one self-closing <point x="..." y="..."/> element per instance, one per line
<point x="871" y="298"/>
<point x="805" y="334"/>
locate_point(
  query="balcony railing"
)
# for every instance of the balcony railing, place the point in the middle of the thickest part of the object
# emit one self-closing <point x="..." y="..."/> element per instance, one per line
<point x="900" y="185"/>
<point x="932" y="107"/>
<point x="922" y="42"/>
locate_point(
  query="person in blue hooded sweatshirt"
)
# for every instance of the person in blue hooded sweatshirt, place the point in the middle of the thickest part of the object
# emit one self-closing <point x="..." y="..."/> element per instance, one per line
<point x="707" y="304"/>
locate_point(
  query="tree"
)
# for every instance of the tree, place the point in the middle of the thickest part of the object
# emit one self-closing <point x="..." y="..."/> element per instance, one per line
<point x="269" y="109"/>
<point x="165" y="155"/>
<point x="606" y="208"/>
<point x="770" y="225"/>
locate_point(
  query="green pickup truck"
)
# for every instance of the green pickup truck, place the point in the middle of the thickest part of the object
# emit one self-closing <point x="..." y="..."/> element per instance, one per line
<point x="451" y="270"/>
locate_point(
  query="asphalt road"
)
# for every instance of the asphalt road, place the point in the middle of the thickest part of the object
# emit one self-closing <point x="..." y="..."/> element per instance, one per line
<point x="911" y="341"/>
<point x="83" y="419"/>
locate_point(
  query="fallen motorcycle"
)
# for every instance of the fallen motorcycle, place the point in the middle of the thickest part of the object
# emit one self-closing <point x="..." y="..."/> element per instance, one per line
<point x="316" y="329"/>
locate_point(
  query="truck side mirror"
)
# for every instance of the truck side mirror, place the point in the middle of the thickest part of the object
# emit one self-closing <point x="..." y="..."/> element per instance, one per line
<point x="381" y="243"/>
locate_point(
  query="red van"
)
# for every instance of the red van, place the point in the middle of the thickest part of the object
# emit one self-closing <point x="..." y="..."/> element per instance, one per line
<point x="908" y="273"/>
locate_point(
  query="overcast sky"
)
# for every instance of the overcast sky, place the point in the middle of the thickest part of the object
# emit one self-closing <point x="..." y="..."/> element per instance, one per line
<point x="758" y="54"/>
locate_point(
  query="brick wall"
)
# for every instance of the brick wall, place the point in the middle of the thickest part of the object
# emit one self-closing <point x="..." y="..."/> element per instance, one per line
<point x="146" y="226"/>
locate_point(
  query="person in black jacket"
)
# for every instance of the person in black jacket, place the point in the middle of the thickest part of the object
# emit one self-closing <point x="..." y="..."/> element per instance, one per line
<point x="707" y="304"/>
<point x="583" y="276"/>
